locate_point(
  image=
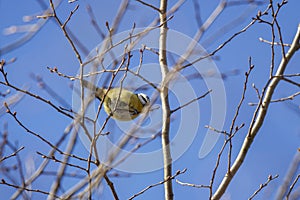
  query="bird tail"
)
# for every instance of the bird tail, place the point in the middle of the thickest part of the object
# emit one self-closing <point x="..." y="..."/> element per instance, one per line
<point x="99" y="92"/>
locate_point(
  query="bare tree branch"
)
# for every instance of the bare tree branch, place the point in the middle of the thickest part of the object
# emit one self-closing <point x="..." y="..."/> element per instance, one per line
<point x="149" y="5"/>
<point x="259" y="119"/>
<point x="292" y="186"/>
<point x="192" y="185"/>
<point x="270" y="178"/>
<point x="292" y="170"/>
<point x="11" y="155"/>
<point x="159" y="183"/>
<point x="291" y="97"/>
<point x="164" y="95"/>
<point x="3" y="182"/>
<point x="30" y="33"/>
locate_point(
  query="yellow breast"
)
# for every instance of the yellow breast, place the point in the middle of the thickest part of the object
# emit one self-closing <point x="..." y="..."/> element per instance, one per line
<point x="122" y="104"/>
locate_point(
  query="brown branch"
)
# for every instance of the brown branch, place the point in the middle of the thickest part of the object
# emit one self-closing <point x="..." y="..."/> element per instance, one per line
<point x="292" y="186"/>
<point x="63" y="28"/>
<point x="12" y="100"/>
<point x="227" y="41"/>
<point x="291" y="97"/>
<point x="101" y="170"/>
<point x="112" y="187"/>
<point x="64" y="163"/>
<point x="44" y="164"/>
<point x="256" y="91"/>
<point x="168" y="179"/>
<point x="30" y="33"/>
<point x="14" y="115"/>
<point x="149" y="5"/>
<point x="290" y="81"/>
<point x="233" y="130"/>
<point x="7" y="83"/>
<point x="213" y="37"/>
<point x="12" y="155"/>
<point x="3" y="182"/>
<point x="232" y="126"/>
<point x="137" y="147"/>
<point x="191" y="101"/>
<point x="270" y="178"/>
<point x="237" y="128"/>
<point x="43" y="85"/>
<point x="53" y="158"/>
<point x="55" y="70"/>
<point x="258" y="119"/>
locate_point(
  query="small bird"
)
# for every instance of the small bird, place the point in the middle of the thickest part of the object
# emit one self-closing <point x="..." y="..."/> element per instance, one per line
<point x="119" y="103"/>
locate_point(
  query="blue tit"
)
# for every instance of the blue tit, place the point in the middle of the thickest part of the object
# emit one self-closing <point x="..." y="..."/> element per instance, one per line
<point x="121" y="104"/>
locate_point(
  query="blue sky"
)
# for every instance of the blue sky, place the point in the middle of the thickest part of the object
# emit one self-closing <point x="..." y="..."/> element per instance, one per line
<point x="272" y="150"/>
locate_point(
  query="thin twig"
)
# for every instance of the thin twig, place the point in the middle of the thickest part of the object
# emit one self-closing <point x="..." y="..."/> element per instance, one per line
<point x="247" y="74"/>
<point x="59" y="161"/>
<point x="63" y="28"/>
<point x="70" y="174"/>
<point x="216" y="130"/>
<point x="274" y="43"/>
<point x="291" y="97"/>
<point x="290" y="174"/>
<point x="232" y="132"/>
<point x="197" y="13"/>
<point x="191" y="101"/>
<point x="7" y="83"/>
<point x="159" y="183"/>
<point x="256" y="91"/>
<point x="42" y="84"/>
<point x="192" y="185"/>
<point x="258" y="118"/>
<point x="290" y="81"/>
<point x="226" y="42"/>
<point x="292" y="187"/>
<point x="55" y="70"/>
<point x="149" y="5"/>
<point x="270" y="178"/>
<point x="14" y="115"/>
<point x="12" y="155"/>
<point x="137" y="147"/>
<point x="44" y="164"/>
<point x="30" y="33"/>
<point x="3" y="182"/>
<point x="112" y="187"/>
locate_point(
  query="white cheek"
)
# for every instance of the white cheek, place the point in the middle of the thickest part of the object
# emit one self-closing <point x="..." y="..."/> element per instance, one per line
<point x="143" y="98"/>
